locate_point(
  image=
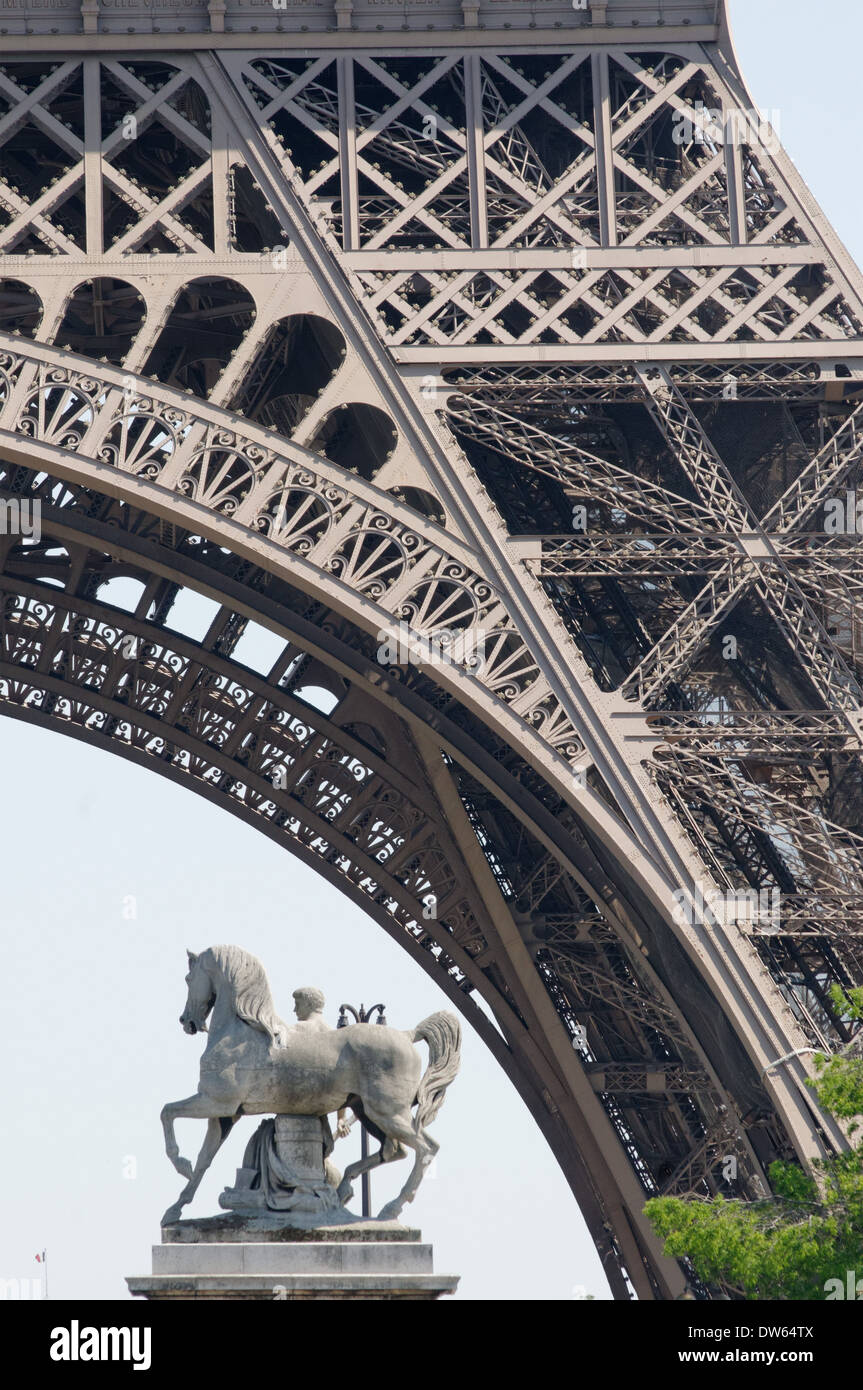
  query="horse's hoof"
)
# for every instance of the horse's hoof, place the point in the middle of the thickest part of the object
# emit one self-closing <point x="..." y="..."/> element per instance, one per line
<point x="344" y="1192"/>
<point x="389" y="1212"/>
<point x="183" y="1167"/>
<point x="172" y="1214"/>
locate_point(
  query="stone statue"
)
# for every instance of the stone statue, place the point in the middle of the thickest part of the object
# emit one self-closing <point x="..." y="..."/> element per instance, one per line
<point x="309" y="1008"/>
<point x="286" y="1168"/>
<point x="255" y="1064"/>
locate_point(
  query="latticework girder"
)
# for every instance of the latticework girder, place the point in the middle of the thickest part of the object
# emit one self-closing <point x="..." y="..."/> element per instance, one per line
<point x="519" y="398"/>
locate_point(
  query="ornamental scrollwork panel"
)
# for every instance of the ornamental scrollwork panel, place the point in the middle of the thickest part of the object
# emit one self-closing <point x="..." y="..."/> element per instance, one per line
<point x="328" y="797"/>
<point x="143" y="439"/>
<point x="417" y="575"/>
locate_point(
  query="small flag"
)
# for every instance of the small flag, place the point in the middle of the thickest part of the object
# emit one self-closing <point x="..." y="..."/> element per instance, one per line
<point x="40" y="1259"/>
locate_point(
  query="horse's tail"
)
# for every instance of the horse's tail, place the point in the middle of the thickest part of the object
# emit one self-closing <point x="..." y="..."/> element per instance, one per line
<point x="442" y="1032"/>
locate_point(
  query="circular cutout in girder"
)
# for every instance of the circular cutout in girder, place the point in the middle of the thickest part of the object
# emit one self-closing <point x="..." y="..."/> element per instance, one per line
<point x="358" y="437"/>
<point x="300" y="356"/>
<point x="208" y="322"/>
<point x="20" y="308"/>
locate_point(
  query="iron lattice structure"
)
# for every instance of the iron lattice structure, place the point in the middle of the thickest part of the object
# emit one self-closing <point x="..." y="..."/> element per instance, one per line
<point x="340" y="313"/>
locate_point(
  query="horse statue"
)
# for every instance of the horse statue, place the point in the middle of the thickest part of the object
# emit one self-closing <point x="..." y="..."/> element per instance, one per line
<point x="255" y="1064"/>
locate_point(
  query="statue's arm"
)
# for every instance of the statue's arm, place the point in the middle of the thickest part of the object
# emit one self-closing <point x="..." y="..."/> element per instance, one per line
<point x="343" y="1125"/>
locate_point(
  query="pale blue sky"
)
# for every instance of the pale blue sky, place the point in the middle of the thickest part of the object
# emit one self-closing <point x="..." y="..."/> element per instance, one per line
<point x="89" y="999"/>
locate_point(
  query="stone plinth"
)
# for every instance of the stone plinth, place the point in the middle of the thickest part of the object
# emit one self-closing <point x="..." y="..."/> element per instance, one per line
<point x="368" y="1260"/>
<point x="268" y="1226"/>
<point x="285" y="1170"/>
<point x="284" y="1234"/>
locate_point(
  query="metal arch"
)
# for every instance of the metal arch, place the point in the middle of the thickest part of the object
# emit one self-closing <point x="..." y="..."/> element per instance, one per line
<point x="74" y="676"/>
<point x="121" y="541"/>
<point x="724" y="261"/>
<point x="126" y="428"/>
<point x="53" y="405"/>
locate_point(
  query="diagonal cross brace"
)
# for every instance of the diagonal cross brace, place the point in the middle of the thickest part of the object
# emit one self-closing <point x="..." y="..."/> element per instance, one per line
<point x="784" y="599"/>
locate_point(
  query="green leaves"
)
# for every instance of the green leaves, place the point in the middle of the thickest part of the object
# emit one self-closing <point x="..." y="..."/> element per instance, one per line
<point x="839" y="1086"/>
<point x="808" y="1232"/>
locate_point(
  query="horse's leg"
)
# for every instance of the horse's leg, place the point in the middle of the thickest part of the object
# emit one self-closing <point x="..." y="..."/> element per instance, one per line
<point x="196" y="1107"/>
<point x="170" y="1112"/>
<point x="391" y="1151"/>
<point x="217" y="1132"/>
<point x="400" y="1127"/>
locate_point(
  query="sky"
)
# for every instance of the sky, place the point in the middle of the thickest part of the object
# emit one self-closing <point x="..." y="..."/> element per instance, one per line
<point x="802" y="60"/>
<point x="109" y="873"/>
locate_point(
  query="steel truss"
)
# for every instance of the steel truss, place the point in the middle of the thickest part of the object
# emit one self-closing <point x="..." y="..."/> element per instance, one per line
<point x="379" y="335"/>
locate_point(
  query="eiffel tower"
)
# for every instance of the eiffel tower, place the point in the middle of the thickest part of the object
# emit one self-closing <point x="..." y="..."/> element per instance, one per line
<point x="491" y="360"/>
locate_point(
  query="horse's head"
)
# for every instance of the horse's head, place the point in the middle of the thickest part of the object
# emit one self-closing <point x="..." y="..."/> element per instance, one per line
<point x="201" y="996"/>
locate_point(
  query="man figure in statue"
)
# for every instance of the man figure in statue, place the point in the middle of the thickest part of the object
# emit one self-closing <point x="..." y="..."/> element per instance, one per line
<point x="308" y="1007"/>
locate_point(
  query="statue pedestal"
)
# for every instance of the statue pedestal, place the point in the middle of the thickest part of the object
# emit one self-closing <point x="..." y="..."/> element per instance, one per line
<point x="285" y="1235"/>
<point x="232" y="1257"/>
<point x="286" y="1169"/>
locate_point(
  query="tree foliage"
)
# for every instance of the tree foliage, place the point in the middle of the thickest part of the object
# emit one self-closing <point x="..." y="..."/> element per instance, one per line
<point x="811" y="1228"/>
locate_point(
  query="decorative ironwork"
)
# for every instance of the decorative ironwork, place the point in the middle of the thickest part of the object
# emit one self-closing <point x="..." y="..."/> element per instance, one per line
<point x="509" y="377"/>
